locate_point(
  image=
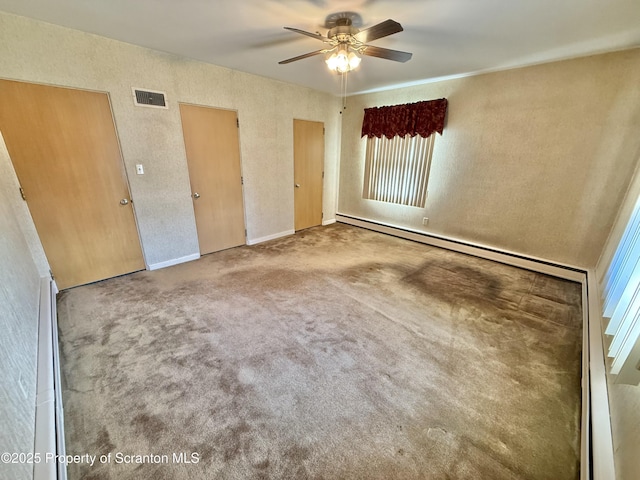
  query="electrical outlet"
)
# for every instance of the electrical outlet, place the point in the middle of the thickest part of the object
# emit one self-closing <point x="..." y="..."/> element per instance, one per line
<point x="139" y="169"/>
<point x="425" y="221"/>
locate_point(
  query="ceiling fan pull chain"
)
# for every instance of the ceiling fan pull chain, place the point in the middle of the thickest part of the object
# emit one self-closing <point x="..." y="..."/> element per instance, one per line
<point x="344" y="97"/>
<point x="343" y="88"/>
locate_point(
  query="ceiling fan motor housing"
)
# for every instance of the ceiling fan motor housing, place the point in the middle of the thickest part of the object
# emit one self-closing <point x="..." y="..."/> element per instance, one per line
<point x="342" y="31"/>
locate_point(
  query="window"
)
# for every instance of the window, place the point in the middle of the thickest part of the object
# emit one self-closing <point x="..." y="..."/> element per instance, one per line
<point x="621" y="303"/>
<point x="399" y="147"/>
<point x="397" y="169"/>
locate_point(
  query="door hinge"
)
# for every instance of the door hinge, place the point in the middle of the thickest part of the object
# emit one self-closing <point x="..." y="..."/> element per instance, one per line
<point x="51" y="274"/>
<point x="323" y="130"/>
<point x="24" y="197"/>
<point x="245" y="233"/>
<point x="322" y="174"/>
<point x="237" y="122"/>
<point x="241" y="180"/>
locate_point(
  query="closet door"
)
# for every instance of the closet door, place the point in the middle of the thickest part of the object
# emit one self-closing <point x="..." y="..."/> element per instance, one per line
<point x="308" y="172"/>
<point x="66" y="154"/>
<point x="213" y="155"/>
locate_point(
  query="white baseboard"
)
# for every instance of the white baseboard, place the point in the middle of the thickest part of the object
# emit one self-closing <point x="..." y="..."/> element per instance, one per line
<point x="328" y="222"/>
<point x="49" y="427"/>
<point x="599" y="419"/>
<point x="255" y="241"/>
<point x="540" y="265"/>
<point x="175" y="261"/>
<point x="585" y="383"/>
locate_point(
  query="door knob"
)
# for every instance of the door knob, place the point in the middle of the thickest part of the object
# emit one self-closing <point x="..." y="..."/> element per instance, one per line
<point x="196" y="195"/>
<point x="297" y="185"/>
<point x="124" y="201"/>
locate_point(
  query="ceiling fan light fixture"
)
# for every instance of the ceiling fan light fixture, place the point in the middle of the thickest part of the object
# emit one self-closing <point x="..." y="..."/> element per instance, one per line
<point x="354" y="61"/>
<point x="332" y="61"/>
<point x="342" y="61"/>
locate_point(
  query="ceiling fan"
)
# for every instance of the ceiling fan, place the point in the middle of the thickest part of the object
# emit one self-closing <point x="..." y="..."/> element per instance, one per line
<point x="345" y="42"/>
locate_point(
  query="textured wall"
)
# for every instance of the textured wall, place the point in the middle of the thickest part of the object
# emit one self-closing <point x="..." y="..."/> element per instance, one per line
<point x="532" y="160"/>
<point x="39" y="52"/>
<point x="624" y="401"/>
<point x="19" y="299"/>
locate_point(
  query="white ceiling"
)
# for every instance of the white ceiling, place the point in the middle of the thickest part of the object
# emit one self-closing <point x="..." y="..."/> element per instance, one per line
<point x="446" y="37"/>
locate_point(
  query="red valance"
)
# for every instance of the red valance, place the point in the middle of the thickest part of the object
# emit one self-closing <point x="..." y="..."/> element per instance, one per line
<point x="421" y="118"/>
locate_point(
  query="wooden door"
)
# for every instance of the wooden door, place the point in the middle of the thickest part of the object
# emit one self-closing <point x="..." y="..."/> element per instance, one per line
<point x="213" y="155"/>
<point x="308" y="160"/>
<point x="66" y="154"/>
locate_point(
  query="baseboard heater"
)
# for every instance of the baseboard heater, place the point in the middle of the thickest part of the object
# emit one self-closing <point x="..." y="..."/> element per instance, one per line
<point x="540" y="265"/>
<point x="49" y="428"/>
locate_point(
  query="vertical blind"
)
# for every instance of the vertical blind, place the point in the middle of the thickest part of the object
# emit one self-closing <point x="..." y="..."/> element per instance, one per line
<point x="621" y="303"/>
<point x="397" y="169"/>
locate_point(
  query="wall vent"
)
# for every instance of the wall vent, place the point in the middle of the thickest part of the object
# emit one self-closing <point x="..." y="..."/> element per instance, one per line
<point x="149" y="98"/>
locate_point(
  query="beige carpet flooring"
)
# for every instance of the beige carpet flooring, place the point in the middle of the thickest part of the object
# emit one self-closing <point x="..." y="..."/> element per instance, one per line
<point x="336" y="353"/>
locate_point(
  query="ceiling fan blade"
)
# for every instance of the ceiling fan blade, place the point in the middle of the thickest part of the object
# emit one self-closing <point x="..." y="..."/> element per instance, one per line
<point x="386" y="53"/>
<point x="300" y="57"/>
<point x="275" y="41"/>
<point x="308" y="34"/>
<point x="384" y="29"/>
